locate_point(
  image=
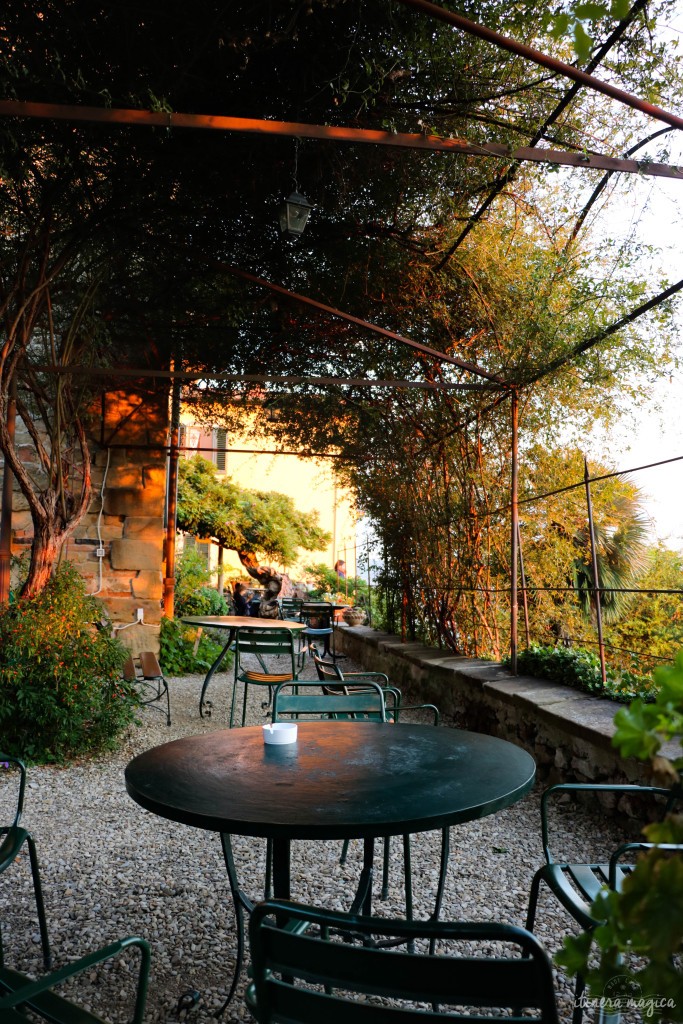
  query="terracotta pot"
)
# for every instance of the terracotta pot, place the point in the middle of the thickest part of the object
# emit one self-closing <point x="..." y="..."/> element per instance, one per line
<point x="354" y="616"/>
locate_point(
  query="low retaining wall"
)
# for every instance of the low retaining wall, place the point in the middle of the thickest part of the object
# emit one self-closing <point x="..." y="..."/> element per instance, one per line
<point x="568" y="733"/>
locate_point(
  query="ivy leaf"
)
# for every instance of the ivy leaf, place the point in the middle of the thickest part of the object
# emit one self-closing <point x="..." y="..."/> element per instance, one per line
<point x="574" y="954"/>
<point x="582" y="42"/>
<point x="591" y="11"/>
<point x="632" y="735"/>
<point x="620" y="8"/>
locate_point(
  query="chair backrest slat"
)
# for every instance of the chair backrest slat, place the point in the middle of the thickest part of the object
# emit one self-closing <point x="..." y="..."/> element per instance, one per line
<point x="303" y="698"/>
<point x="286" y="959"/>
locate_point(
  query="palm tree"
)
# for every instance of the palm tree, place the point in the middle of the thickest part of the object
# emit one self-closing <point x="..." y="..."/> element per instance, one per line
<point x="621" y="548"/>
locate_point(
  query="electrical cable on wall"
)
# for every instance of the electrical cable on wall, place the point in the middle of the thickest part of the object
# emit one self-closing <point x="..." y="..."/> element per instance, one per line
<point x="99" y="551"/>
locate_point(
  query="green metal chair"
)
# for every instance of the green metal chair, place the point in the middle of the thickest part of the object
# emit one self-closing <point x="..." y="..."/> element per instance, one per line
<point x="333" y="679"/>
<point x="575" y="885"/>
<point x="261" y="643"/>
<point x="22" y="999"/>
<point x="305" y="976"/>
<point x="290" y="607"/>
<point x="307" y="700"/>
<point x="366" y="702"/>
<point x="13" y="837"/>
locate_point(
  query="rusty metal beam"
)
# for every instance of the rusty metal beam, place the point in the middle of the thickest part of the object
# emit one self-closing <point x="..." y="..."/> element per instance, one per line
<point x="551" y="63"/>
<point x="260" y="378"/>
<point x="320" y="307"/>
<point x="295" y="129"/>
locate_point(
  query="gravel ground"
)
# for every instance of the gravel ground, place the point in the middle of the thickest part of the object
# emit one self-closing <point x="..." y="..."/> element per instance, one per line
<point x="111" y="869"/>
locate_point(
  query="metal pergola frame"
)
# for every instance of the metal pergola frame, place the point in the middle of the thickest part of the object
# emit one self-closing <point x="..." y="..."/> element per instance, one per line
<point x="427" y="143"/>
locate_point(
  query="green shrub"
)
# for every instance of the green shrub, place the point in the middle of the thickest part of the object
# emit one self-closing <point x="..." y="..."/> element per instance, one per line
<point x="61" y="690"/>
<point x="176" y="650"/>
<point x="193" y="593"/>
<point x="580" y="669"/>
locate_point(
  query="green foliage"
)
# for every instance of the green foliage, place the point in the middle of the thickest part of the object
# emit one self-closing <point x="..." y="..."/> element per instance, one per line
<point x="193" y="595"/>
<point x="259" y="522"/>
<point x="177" y="650"/>
<point x="580" y="669"/>
<point x="326" y="581"/>
<point x="654" y="621"/>
<point x="61" y="690"/>
<point x="645" y="919"/>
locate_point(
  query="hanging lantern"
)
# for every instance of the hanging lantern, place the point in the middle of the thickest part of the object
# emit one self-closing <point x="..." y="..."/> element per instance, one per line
<point x="294" y="214"/>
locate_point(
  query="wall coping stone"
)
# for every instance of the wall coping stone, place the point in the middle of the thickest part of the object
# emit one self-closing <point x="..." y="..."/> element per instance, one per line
<point x="555" y="709"/>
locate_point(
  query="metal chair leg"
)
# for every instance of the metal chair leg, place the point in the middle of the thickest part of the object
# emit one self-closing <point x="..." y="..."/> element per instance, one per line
<point x="40" y="906"/>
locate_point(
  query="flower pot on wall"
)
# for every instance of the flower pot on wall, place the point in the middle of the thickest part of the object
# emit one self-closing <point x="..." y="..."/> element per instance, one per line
<point x="354" y="616"/>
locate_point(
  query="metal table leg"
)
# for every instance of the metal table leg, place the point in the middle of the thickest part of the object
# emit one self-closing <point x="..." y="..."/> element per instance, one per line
<point x="205" y="706"/>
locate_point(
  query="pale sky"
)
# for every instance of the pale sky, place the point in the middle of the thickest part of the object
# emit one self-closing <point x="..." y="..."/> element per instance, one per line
<point x="656" y="214"/>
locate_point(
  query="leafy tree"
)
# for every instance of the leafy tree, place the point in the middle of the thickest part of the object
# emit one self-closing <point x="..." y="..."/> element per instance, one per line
<point x="653" y="626"/>
<point x="150" y="221"/>
<point x="252" y="523"/>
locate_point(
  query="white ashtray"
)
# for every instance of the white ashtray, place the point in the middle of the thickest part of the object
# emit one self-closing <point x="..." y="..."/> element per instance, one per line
<point x="280" y="732"/>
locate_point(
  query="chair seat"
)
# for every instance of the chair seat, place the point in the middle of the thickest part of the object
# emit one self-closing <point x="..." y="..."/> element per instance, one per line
<point x="270" y="678"/>
<point x="12" y="842"/>
<point x="52" y="1006"/>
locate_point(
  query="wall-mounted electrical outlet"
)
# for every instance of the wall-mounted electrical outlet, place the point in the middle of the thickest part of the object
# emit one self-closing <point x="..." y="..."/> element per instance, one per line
<point x="139" y="614"/>
<point x="100" y="552"/>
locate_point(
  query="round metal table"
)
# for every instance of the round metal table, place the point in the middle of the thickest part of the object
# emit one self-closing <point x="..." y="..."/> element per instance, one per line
<point x="340" y="780"/>
<point x="232" y="623"/>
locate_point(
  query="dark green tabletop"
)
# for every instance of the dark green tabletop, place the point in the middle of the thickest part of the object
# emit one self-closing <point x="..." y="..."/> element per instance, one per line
<point x="339" y="780"/>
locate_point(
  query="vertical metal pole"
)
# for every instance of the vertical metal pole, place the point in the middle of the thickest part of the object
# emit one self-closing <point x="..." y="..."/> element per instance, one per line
<point x="219" y="581"/>
<point x="596" y="572"/>
<point x="7" y="481"/>
<point x="172" y="502"/>
<point x="523" y="582"/>
<point x="514" y="516"/>
<point x="346" y="575"/>
<point x="369" y="586"/>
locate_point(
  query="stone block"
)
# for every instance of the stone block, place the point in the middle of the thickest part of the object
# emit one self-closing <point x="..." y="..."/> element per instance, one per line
<point x="148" y="584"/>
<point x="135" y="554"/>
<point x="125" y="475"/>
<point x="154" y="476"/>
<point x="125" y="501"/>
<point x="141" y="638"/>
<point x="144" y="528"/>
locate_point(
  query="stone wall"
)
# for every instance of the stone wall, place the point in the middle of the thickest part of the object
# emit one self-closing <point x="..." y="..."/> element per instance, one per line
<point x="126" y="517"/>
<point x="568" y="733"/>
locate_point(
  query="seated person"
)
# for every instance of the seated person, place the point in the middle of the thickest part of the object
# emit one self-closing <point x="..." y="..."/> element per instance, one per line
<point x="240" y="600"/>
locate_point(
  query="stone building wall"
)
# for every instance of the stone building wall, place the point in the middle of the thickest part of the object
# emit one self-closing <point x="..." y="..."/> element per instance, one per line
<point x="126" y="517"/>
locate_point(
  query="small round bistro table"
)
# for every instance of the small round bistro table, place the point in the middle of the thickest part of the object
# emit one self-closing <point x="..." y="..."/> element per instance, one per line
<point x="232" y="623"/>
<point x="340" y="780"/>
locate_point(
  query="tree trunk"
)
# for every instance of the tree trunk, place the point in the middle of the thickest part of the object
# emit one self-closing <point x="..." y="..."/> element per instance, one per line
<point x="270" y="582"/>
<point x="44" y="551"/>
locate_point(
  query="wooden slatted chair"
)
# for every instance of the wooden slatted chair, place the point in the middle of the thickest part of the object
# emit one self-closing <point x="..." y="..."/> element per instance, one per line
<point x="23" y="999"/>
<point x="305" y="970"/>
<point x="575" y="885"/>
